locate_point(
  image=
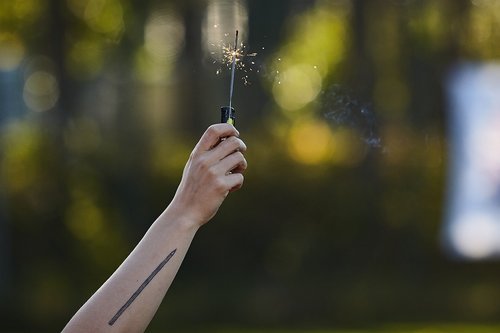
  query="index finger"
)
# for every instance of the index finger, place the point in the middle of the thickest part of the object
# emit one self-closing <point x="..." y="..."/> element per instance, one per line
<point x="214" y="133"/>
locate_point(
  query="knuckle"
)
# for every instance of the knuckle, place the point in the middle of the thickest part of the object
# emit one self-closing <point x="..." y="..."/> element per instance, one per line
<point x="216" y="129"/>
<point x="242" y="145"/>
<point x="210" y="171"/>
<point x="211" y="131"/>
<point x="231" y="141"/>
<point x="203" y="163"/>
<point x="239" y="181"/>
<point x="219" y="185"/>
<point x="237" y="144"/>
<point x="240" y="158"/>
<point x="240" y="155"/>
<point x="241" y="178"/>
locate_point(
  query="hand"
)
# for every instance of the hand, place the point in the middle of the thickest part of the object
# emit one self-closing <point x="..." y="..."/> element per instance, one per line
<point x="215" y="168"/>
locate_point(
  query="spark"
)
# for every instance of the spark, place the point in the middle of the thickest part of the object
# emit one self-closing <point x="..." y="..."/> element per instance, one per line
<point x="229" y="53"/>
<point x="237" y="53"/>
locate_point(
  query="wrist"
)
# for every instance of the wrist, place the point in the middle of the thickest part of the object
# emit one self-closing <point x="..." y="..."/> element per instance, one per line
<point x="180" y="218"/>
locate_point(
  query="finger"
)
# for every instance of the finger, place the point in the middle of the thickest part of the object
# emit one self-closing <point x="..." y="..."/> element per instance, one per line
<point x="227" y="147"/>
<point x="234" y="181"/>
<point x="240" y="168"/>
<point x="233" y="143"/>
<point x="214" y="133"/>
<point x="235" y="163"/>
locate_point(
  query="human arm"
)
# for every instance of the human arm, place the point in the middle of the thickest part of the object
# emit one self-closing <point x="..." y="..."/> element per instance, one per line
<point x="128" y="300"/>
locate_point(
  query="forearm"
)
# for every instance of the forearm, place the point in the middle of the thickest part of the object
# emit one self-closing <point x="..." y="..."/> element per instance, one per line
<point x="129" y="299"/>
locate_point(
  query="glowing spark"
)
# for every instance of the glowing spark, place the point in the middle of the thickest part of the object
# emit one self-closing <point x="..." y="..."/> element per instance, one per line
<point x="237" y="53"/>
<point x="229" y="54"/>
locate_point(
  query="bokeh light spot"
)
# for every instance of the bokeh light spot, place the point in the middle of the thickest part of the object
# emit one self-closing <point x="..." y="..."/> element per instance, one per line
<point x="475" y="236"/>
<point x="11" y="51"/>
<point x="18" y="166"/>
<point x="84" y="219"/>
<point x="85" y="58"/>
<point x="102" y="16"/>
<point x="41" y="91"/>
<point x="164" y="35"/>
<point x="222" y="18"/>
<point x="310" y="142"/>
<point x="105" y="16"/>
<point x="297" y="86"/>
<point x="27" y="10"/>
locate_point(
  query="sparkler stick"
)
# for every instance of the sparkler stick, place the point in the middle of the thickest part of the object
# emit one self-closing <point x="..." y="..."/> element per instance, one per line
<point x="227" y="112"/>
<point x="233" y="68"/>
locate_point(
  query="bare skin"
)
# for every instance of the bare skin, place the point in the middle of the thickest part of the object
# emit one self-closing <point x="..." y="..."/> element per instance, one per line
<point x="128" y="300"/>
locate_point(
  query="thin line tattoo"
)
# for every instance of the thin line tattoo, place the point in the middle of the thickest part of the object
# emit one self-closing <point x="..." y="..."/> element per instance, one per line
<point x="141" y="288"/>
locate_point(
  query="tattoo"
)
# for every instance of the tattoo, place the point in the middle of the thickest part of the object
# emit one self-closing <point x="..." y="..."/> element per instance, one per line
<point x="141" y="288"/>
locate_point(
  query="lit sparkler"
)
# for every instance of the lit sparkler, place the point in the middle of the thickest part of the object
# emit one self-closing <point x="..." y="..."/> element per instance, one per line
<point x="238" y="53"/>
<point x="227" y="112"/>
<point x="233" y="57"/>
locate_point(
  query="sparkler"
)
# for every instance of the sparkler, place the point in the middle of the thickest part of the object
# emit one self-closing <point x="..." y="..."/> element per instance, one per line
<point x="227" y="112"/>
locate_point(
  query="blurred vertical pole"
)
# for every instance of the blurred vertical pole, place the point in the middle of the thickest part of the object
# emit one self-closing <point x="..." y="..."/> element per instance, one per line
<point x="55" y="50"/>
<point x="10" y="104"/>
<point x="54" y="122"/>
<point x="4" y="249"/>
<point x="459" y="11"/>
<point x="191" y="68"/>
<point x="362" y="78"/>
<point x="363" y="69"/>
<point x="11" y="108"/>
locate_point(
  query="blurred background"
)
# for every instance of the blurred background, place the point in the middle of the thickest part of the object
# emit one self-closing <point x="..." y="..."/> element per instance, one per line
<point x="344" y="107"/>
